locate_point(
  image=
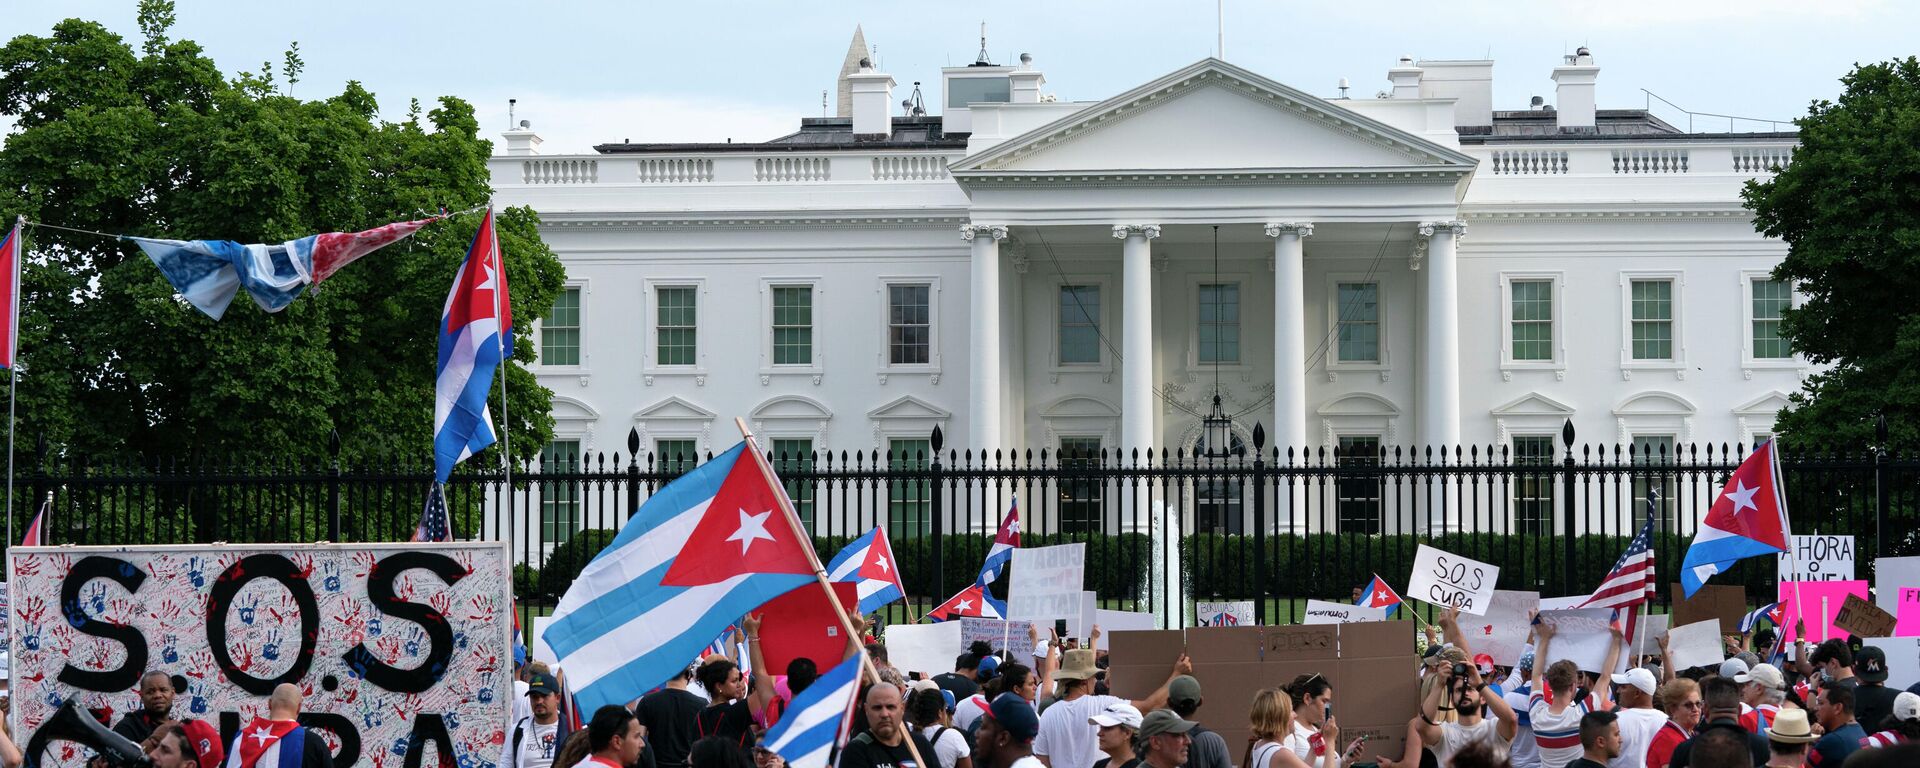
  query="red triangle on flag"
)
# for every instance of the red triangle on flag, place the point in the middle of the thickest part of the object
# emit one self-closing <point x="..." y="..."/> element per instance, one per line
<point x="1749" y="504"/>
<point x="743" y="532"/>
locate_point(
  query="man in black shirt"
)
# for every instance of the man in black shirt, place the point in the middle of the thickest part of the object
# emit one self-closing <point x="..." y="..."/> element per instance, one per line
<point x="156" y="708"/>
<point x="668" y="715"/>
<point x="885" y="743"/>
<point x="1872" y="699"/>
<point x="1600" y="740"/>
<point x="960" y="681"/>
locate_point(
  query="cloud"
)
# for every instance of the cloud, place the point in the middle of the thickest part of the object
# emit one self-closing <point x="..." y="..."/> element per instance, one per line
<point x="573" y="125"/>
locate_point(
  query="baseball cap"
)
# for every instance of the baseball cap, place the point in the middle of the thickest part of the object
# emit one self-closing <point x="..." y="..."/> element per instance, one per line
<point x="1183" y="689"/>
<point x="1162" y="721"/>
<point x="1122" y="713"/>
<point x="988" y="666"/>
<point x="1906" y="706"/>
<point x="204" y="740"/>
<point x="1764" y="674"/>
<point x="541" y="682"/>
<point x="1015" y="716"/>
<point x="1733" y="668"/>
<point x="1638" y="677"/>
<point x="923" y="685"/>
<point x="1870" y="665"/>
<point x="947" y="697"/>
<point x="1484" y="663"/>
<point x="1526" y="659"/>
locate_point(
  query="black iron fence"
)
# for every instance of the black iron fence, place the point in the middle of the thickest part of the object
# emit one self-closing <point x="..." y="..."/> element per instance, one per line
<point x="1162" y="529"/>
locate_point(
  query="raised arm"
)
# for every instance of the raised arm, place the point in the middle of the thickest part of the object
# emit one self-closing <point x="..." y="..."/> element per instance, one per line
<point x="1509" y="724"/>
<point x="1543" y="631"/>
<point x="1428" y="725"/>
<point x="761" y="691"/>
<point x="1450" y="626"/>
<point x="1606" y="669"/>
<point x="1667" y="672"/>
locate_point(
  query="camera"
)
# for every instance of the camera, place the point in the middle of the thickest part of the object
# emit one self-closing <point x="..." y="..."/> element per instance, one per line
<point x="1459" y="671"/>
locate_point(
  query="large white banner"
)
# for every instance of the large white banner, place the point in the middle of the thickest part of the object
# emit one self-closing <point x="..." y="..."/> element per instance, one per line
<point x="1046" y="583"/>
<point x="1443" y="578"/>
<point x="1502" y="632"/>
<point x="403" y="650"/>
<point x="1583" y="635"/>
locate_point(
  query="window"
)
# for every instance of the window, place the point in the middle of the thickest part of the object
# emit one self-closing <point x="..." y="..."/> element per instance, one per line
<point x="1220" y="323"/>
<point x="1532" y="320"/>
<point x="1358" y="305"/>
<point x="560" y="330"/>
<point x="1359" y="495"/>
<point x="962" y="91"/>
<point x="1533" y="484"/>
<point x="1217" y="499"/>
<point x="909" y="324"/>
<point x="559" y="499"/>
<point x="675" y="456"/>
<point x="1082" y="497"/>
<point x="909" y="501"/>
<point x="1653" y="451"/>
<point x="1652" y="302"/>
<point x="1770" y="300"/>
<point x="1079" y="324"/>
<point x="795" y="456"/>
<point x="675" y="326"/>
<point x="793" y="325"/>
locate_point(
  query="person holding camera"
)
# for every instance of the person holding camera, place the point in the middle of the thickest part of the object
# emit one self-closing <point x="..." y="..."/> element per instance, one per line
<point x="1453" y="713"/>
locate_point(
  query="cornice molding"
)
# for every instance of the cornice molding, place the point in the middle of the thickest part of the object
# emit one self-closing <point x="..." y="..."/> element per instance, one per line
<point x="1217" y="177"/>
<point x="616" y="222"/>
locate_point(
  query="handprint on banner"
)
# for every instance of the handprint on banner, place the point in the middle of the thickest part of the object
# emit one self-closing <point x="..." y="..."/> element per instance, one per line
<point x="330" y="576"/>
<point x="170" y="649"/>
<point x="373" y="626"/>
<point x="415" y="637"/>
<point x="248" y="609"/>
<point x="270" y="650"/>
<point x="196" y="572"/>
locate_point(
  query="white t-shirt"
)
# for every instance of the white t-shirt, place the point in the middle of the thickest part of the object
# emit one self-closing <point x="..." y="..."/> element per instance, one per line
<point x="1300" y="742"/>
<point x="1028" y="762"/>
<point x="950" y="748"/>
<point x="1455" y="737"/>
<point x="1637" y="729"/>
<point x="1524" y="753"/>
<point x="1066" y="738"/>
<point x="968" y="710"/>
<point x="538" y="745"/>
<point x="1558" y="735"/>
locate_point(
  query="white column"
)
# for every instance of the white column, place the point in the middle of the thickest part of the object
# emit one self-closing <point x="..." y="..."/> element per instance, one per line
<point x="1440" y="386"/>
<point x="983" y="370"/>
<point x="1289" y="334"/>
<point x="1136" y="334"/>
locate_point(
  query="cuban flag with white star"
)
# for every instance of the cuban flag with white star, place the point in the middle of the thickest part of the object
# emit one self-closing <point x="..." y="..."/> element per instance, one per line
<point x="1748" y="519"/>
<point x="868" y="561"/>
<point x="476" y="333"/>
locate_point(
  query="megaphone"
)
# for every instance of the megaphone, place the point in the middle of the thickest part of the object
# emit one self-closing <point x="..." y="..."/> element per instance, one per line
<point x="71" y="724"/>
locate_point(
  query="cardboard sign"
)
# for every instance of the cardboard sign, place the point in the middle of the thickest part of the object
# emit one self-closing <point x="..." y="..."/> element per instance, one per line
<point x="1370" y="664"/>
<point x="1110" y="622"/>
<point x="998" y="634"/>
<point x="1909" y="607"/>
<point x="1714" y="601"/>
<point x="802" y="624"/>
<point x="1443" y="578"/>
<point x="1648" y="631"/>
<point x="1047" y="582"/>
<point x="1323" y="612"/>
<point x="1696" y="645"/>
<point x="1582" y="635"/>
<point x="403" y="649"/>
<point x="1890" y="576"/>
<point x="1817" y="558"/>
<point x="1502" y="632"/>
<point x="928" y="648"/>
<point x="1859" y="617"/>
<point x="1236" y="613"/>
<point x="1816" y="603"/>
<point x="1903" y="658"/>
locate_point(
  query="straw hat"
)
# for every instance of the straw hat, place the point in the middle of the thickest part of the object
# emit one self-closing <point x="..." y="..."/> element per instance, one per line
<point x="1790" y="727"/>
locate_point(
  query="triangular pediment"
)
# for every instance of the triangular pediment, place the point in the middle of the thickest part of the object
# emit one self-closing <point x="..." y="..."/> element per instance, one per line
<point x="1213" y="115"/>
<point x="673" y="408"/>
<point x="792" y="407"/>
<point x="1654" y="404"/>
<point x="1768" y="405"/>
<point x="1534" y="404"/>
<point x="909" y="407"/>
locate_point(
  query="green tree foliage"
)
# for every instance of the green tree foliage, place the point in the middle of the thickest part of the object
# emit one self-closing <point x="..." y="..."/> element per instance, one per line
<point x="1849" y="210"/>
<point x="158" y="142"/>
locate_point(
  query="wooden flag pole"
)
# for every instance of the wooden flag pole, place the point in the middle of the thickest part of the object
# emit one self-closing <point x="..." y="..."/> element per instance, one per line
<point x="819" y="571"/>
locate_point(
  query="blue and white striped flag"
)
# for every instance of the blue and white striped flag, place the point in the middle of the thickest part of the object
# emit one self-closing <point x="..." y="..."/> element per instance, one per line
<point x="1752" y="619"/>
<point x="812" y="725"/>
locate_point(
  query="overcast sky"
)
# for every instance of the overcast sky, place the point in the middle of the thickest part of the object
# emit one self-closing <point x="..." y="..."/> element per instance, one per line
<point x="588" y="71"/>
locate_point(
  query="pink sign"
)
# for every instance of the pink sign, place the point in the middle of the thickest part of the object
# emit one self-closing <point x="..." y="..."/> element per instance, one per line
<point x="1816" y="603"/>
<point x="1908" y="612"/>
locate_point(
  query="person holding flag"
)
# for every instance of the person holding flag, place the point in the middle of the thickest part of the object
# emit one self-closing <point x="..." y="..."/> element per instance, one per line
<point x="1748" y="519"/>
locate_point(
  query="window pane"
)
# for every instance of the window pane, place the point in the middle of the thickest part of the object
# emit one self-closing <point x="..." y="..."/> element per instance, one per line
<point x="1358" y="496"/>
<point x="1771" y="298"/>
<point x="1653" y="451"/>
<point x="909" y="325"/>
<point x="1358" y="319"/>
<point x="793" y="457"/>
<point x="909" y="500"/>
<point x="674" y="326"/>
<point x="1079" y="324"/>
<point x="1218" y="499"/>
<point x="560" y="331"/>
<point x="675" y="456"/>
<point x="1532" y="320"/>
<point x="1219" y="326"/>
<point x="1652" y="302"/>
<point x="792" y="325"/>
<point x="559" y="499"/>
<point x="962" y="91"/>
<point x="1082" y="495"/>
<point x="1533" y="488"/>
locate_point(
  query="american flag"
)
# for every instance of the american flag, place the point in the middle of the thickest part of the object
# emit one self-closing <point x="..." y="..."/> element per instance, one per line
<point x="434" y="525"/>
<point x="1631" y="582"/>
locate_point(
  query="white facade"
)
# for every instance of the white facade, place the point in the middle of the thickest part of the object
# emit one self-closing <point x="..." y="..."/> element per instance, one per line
<point x="1467" y="226"/>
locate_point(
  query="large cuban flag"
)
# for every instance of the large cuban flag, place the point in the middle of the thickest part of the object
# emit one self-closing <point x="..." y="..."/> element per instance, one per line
<point x="1004" y="543"/>
<point x="976" y="602"/>
<point x="476" y="333"/>
<point x="868" y="561"/>
<point x="1748" y="519"/>
<point x="209" y="273"/>
<point x="817" y="717"/>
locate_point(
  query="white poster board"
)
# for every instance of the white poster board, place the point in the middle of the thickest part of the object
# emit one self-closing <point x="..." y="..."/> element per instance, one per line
<point x="1081" y="626"/>
<point x="926" y="647"/>
<point x="1232" y="613"/>
<point x="1889" y="575"/>
<point x="1047" y="583"/>
<point x="1818" y="557"/>
<point x="1123" y="621"/>
<point x="540" y="650"/>
<point x="998" y="634"/>
<point x="1563" y="603"/>
<point x="1323" y="612"/>
<point x="1582" y="635"/>
<point x="1443" y="578"/>
<point x="1648" y="631"/>
<point x="1502" y="631"/>
<point x="401" y="648"/>
<point x="1696" y="645"/>
<point x="1903" y="658"/>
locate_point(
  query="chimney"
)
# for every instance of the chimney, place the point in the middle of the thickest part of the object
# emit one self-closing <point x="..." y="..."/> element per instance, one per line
<point x="522" y="140"/>
<point x="1025" y="82"/>
<point x="1468" y="83"/>
<point x="1573" y="92"/>
<point x="872" y="102"/>
<point x="1405" y="78"/>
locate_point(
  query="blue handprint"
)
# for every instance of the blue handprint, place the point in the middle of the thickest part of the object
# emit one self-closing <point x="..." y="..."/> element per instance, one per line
<point x="247" y="611"/>
<point x="460" y="640"/>
<point x="400" y="747"/>
<point x="196" y="573"/>
<point x="373" y="627"/>
<point x="170" y="649"/>
<point x="198" y="705"/>
<point x="97" y="597"/>
<point x="485" y="696"/>
<point x="453" y="720"/>
<point x="413" y="641"/>
<point x="330" y="581"/>
<point x="271" y="649"/>
<point x="32" y="642"/>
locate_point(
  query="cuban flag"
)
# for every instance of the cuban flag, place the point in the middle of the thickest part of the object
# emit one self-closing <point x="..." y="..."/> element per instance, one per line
<point x="208" y="273"/>
<point x="1004" y="542"/>
<point x="1379" y="595"/>
<point x="1748" y="519"/>
<point x="11" y="252"/>
<point x="815" y="721"/>
<point x="868" y="561"/>
<point x="1221" y="619"/>
<point x="712" y="546"/>
<point x="1770" y="612"/>
<point x="974" y="602"/>
<point x="268" y="744"/>
<point x="476" y="333"/>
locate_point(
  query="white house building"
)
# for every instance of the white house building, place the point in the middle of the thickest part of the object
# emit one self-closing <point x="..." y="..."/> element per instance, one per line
<point x="1029" y="272"/>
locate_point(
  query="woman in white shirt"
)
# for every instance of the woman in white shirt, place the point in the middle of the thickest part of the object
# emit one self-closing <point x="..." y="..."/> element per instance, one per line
<point x="927" y="711"/>
<point x="1313" y="730"/>
<point x="1270" y="723"/>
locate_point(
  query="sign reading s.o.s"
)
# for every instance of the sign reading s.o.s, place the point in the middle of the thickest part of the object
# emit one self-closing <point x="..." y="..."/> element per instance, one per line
<point x="402" y="650"/>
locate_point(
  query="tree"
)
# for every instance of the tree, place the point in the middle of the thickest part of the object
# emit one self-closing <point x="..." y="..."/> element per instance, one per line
<point x="159" y="143"/>
<point x="1848" y="208"/>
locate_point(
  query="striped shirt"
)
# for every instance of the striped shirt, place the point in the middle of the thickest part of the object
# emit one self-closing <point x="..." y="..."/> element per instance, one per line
<point x="1882" y="739"/>
<point x="1557" y="734"/>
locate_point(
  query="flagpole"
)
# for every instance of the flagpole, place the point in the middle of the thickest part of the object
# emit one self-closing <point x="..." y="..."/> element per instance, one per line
<point x="500" y="343"/>
<point x="1786" y="535"/>
<point x="813" y="559"/>
<point x="13" y="351"/>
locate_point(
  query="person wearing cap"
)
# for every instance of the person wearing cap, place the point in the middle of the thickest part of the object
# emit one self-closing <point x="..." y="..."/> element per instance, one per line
<point x="1722" y="697"/>
<point x="1164" y="738"/>
<point x="1902" y="725"/>
<point x="1119" y="726"/>
<point x="885" y="743"/>
<point x="1007" y="731"/>
<point x="669" y="716"/>
<point x="1787" y="739"/>
<point x="189" y="744"/>
<point x="534" y="739"/>
<point x="1065" y="739"/>
<point x="1637" y="721"/>
<point x="1872" y="699"/>
<point x="1524" y="752"/>
<point x="1453" y="713"/>
<point x="1208" y="749"/>
<point x="1764" y="689"/>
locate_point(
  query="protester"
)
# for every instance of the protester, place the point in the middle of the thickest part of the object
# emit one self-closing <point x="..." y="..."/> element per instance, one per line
<point x="1208" y="750"/>
<point x="258" y="744"/>
<point x="1833" y="710"/>
<point x="1164" y="739"/>
<point x="1787" y="739"/>
<point x="1525" y="751"/>
<point x="613" y="737"/>
<point x="1722" y="697"/>
<point x="801" y="672"/>
<point x="1012" y="677"/>
<point x="189" y="744"/>
<point x="1453" y="711"/>
<point x="1313" y="728"/>
<point x="670" y="717"/>
<point x="718" y="752"/>
<point x="927" y="712"/>
<point x="767" y="758"/>
<point x="1900" y="756"/>
<point x="1270" y="722"/>
<point x="1722" y="748"/>
<point x="156" y="708"/>
<point x="1066" y="740"/>
<point x="574" y="751"/>
<point x="1119" y="726"/>
<point x="963" y="681"/>
<point x="534" y="739"/>
<point x="1680" y="698"/>
<point x="737" y="702"/>
<point x="1480" y="754"/>
<point x="878" y="654"/>
<point x="884" y="744"/>
<point x="1558" y="702"/>
<point x="1832" y="658"/>
<point x="1764" y="689"/>
<point x="1902" y="725"/>
<point x="1872" y="699"/>
<point x="1007" y="730"/>
<point x="1638" y="721"/>
<point x="1600" y="740"/>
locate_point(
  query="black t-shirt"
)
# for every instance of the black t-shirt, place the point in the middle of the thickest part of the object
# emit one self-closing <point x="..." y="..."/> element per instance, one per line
<point x="668" y="715"/>
<point x="866" y="751"/>
<point x="1872" y="703"/>
<point x="1585" y="763"/>
<point x="728" y="721"/>
<point x="137" y="725"/>
<point x="1105" y="761"/>
<point x="315" y="753"/>
<point x="959" y="685"/>
<point x="1756" y="744"/>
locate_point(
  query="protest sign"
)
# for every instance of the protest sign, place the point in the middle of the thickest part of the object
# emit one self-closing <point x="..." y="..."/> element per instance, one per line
<point x="1696" y="645"/>
<point x="1816" y="603"/>
<point x="1903" y="657"/>
<point x="1859" y="617"/>
<point x="1890" y="575"/>
<point x="1121" y="621"/>
<point x="929" y="648"/>
<point x="998" y="634"/>
<point x="1817" y="558"/>
<point x="803" y="624"/>
<point x="1648" y="631"/>
<point x="1583" y="635"/>
<point x="1323" y="612"/>
<point x="1443" y="578"/>
<point x="1563" y="603"/>
<point x="1236" y="613"/>
<point x="540" y="651"/>
<point x="1725" y="602"/>
<point x="402" y="649"/>
<point x="1909" y="617"/>
<point x="1047" y="582"/>
<point x="1502" y="632"/>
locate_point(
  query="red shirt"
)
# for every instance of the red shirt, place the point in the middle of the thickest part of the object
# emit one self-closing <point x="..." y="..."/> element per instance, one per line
<point x="1660" y="752"/>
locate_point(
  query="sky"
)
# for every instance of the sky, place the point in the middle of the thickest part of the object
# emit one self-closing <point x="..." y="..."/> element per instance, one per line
<point x="592" y="71"/>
